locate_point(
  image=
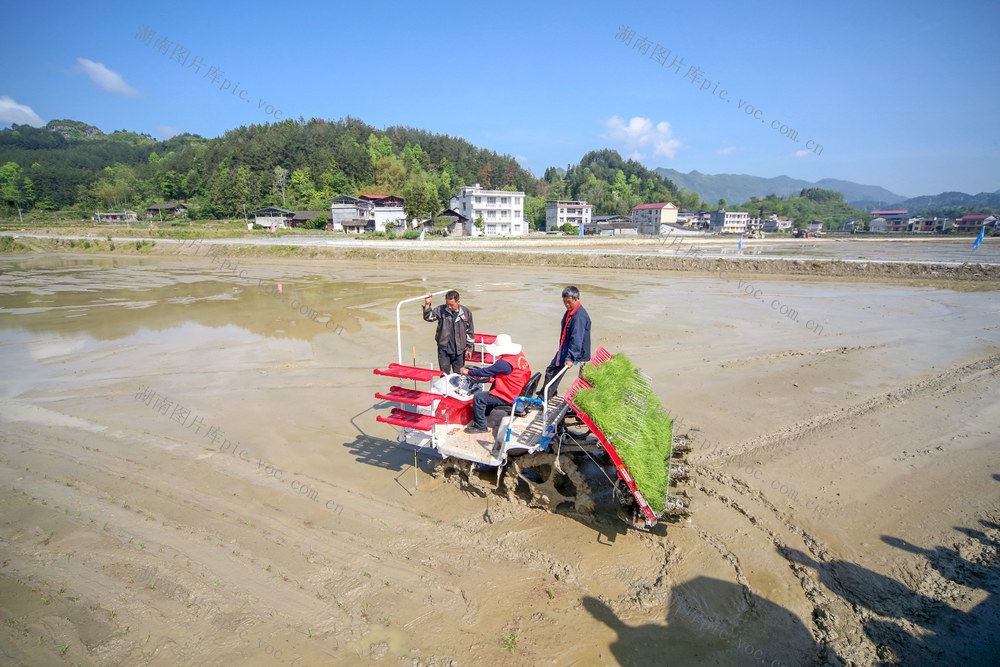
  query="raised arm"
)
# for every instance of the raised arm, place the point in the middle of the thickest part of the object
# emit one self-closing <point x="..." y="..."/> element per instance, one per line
<point x="430" y="314"/>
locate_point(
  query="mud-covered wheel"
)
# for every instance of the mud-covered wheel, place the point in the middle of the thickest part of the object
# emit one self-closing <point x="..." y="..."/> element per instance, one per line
<point x="537" y="479"/>
<point x="446" y="468"/>
<point x="574" y="427"/>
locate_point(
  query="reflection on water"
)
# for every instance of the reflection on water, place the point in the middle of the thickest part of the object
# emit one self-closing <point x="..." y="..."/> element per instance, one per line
<point x="941" y="251"/>
<point x="102" y="297"/>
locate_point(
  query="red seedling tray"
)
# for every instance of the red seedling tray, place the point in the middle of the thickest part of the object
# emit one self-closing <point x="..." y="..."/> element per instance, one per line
<point x="409" y="372"/>
<point x="400" y="417"/>
<point x="411" y="396"/>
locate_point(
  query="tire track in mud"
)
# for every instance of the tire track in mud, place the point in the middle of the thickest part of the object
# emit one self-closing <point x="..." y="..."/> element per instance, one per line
<point x="946" y="380"/>
<point x="836" y="627"/>
<point x="227" y="526"/>
<point x="789" y="354"/>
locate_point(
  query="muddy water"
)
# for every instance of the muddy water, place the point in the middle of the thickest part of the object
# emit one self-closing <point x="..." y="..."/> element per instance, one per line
<point x="252" y="401"/>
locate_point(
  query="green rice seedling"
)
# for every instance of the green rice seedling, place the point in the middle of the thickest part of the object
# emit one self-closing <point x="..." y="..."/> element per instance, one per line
<point x="648" y="461"/>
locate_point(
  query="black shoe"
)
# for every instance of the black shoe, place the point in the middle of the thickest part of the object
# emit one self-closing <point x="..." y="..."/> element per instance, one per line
<point x="472" y="430"/>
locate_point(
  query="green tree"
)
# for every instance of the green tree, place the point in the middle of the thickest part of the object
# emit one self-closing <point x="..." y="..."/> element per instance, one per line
<point x="302" y="187"/>
<point x="420" y="199"/>
<point x="319" y="222"/>
<point x="389" y="175"/>
<point x="11" y="181"/>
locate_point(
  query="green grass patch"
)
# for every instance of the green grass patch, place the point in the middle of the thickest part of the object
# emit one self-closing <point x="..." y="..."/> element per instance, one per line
<point x="648" y="461"/>
<point x="8" y="245"/>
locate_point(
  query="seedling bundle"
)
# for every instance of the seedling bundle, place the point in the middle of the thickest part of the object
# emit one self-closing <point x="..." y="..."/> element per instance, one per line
<point x="623" y="406"/>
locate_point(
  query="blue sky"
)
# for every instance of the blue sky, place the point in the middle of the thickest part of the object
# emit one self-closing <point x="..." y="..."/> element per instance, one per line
<point x="899" y="94"/>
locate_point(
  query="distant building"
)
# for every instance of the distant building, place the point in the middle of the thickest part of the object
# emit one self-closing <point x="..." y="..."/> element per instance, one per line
<point x="649" y="218"/>
<point x="695" y="219"/>
<point x="777" y="223"/>
<point x="972" y="223"/>
<point x="616" y="228"/>
<point x="345" y="209"/>
<point x="302" y="218"/>
<point x="593" y="226"/>
<point x="502" y="211"/>
<point x="156" y="210"/>
<point x="729" y="222"/>
<point x="124" y="216"/>
<point x="815" y="225"/>
<point x="878" y="225"/>
<point x="899" y="222"/>
<point x="449" y="222"/>
<point x="376" y="212"/>
<point x="387" y="211"/>
<point x="273" y="217"/>
<point x="559" y="213"/>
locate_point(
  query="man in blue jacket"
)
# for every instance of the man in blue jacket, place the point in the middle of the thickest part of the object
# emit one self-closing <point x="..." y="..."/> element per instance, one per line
<point x="574" y="339"/>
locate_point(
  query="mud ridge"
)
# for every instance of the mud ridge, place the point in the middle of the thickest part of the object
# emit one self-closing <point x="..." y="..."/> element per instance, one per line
<point x="945" y="380"/>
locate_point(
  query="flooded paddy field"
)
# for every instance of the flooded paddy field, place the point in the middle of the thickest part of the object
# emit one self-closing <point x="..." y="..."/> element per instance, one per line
<point x="191" y="471"/>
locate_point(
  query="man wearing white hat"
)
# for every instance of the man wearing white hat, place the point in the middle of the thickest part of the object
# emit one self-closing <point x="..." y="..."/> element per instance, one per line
<point x="510" y="372"/>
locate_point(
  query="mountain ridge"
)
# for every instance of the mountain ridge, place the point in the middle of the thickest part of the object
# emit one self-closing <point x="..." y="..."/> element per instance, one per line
<point x="738" y="188"/>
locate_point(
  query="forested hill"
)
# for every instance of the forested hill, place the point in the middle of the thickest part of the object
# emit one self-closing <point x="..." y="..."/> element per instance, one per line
<point x="69" y="165"/>
<point x="810" y="204"/>
<point x="612" y="184"/>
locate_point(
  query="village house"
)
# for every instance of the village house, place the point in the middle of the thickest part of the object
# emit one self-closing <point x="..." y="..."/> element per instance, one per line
<point x="650" y="218"/>
<point x="448" y="222"/>
<point x="729" y="222"/>
<point x="617" y="228"/>
<point x="387" y="211"/>
<point x="272" y="217"/>
<point x="124" y="216"/>
<point x="695" y="219"/>
<point x="345" y="209"/>
<point x="501" y="211"/>
<point x="304" y="218"/>
<point x="890" y="221"/>
<point x="559" y="213"/>
<point x="163" y="210"/>
<point x="593" y="227"/>
<point x="367" y="213"/>
<point x="972" y="223"/>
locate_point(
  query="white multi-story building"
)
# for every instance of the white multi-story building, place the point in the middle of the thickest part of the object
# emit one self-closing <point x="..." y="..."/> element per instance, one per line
<point x="502" y="211"/>
<point x="558" y="213"/>
<point x="773" y="223"/>
<point x="729" y="222"/>
<point x="650" y="218"/>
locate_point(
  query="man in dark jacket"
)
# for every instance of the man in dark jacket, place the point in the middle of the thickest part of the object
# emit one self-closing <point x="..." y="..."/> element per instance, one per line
<point x="455" y="333"/>
<point x="574" y="340"/>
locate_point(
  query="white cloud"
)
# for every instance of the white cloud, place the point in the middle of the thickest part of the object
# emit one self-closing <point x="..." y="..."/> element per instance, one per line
<point x="726" y="151"/>
<point x="12" y="112"/>
<point x="164" y="132"/>
<point x="802" y="153"/>
<point x="640" y="132"/>
<point x="107" y="79"/>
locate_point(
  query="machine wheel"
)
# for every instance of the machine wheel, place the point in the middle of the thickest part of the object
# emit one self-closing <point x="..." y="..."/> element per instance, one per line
<point x="548" y="483"/>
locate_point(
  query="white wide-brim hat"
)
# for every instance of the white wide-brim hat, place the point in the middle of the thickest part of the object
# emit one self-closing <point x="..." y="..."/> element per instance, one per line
<point x="503" y="345"/>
